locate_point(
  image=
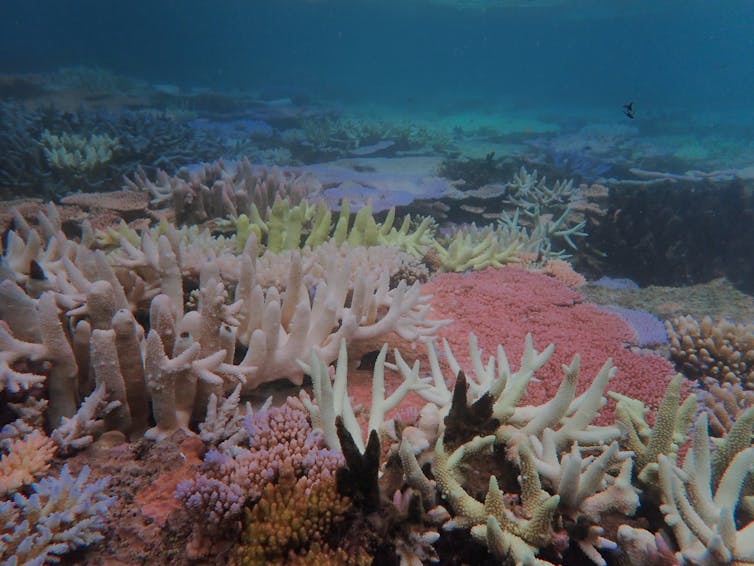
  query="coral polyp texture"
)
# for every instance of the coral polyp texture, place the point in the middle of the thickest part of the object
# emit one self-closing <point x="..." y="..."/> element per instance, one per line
<point x="503" y="305"/>
<point x="721" y="350"/>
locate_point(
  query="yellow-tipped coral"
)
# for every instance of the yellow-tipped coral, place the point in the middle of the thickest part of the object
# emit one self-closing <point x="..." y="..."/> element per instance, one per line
<point x="291" y="519"/>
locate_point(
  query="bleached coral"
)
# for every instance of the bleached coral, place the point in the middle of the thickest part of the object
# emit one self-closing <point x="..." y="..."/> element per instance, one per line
<point x="701" y="498"/>
<point x="87" y="330"/>
<point x="77" y="153"/>
<point x="222" y="189"/>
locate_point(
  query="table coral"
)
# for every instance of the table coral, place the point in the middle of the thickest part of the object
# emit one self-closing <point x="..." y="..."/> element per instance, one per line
<point x="501" y="306"/>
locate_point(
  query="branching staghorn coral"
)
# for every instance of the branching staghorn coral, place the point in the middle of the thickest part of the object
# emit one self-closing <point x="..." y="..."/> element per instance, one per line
<point x="25" y="460"/>
<point x="542" y="214"/>
<point x="702" y="500"/>
<point x="472" y="248"/>
<point x="88" y="303"/>
<point x="286" y="226"/>
<point x="62" y="514"/>
<point x="223" y="189"/>
<point x="672" y="423"/>
<point x="543" y="441"/>
<point x="531" y="193"/>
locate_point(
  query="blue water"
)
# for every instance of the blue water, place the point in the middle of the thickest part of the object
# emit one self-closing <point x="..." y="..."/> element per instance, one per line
<point x="568" y="56"/>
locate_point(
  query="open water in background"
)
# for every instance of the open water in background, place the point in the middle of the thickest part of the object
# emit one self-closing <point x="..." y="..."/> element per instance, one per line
<point x="578" y="56"/>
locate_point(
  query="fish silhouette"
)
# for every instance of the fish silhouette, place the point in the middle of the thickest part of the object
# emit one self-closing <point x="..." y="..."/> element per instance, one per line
<point x="628" y="109"/>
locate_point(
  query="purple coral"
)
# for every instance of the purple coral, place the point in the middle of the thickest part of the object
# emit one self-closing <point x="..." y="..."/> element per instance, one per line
<point x="211" y="501"/>
<point x="649" y="330"/>
<point x="278" y="437"/>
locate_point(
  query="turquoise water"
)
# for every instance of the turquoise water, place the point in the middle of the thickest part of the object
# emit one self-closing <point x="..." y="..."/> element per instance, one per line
<point x="539" y="84"/>
<point x="569" y="57"/>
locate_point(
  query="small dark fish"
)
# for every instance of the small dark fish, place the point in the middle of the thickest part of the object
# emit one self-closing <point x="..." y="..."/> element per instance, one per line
<point x="628" y="110"/>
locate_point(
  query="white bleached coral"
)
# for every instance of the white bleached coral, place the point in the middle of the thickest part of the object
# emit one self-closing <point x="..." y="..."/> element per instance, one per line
<point x="86" y="304"/>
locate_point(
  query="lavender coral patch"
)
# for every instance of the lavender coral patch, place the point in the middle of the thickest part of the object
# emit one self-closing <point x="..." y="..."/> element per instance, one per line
<point x="277" y="437"/>
<point x="387" y="182"/>
<point x="617" y="284"/>
<point x="211" y="501"/>
<point x="649" y="330"/>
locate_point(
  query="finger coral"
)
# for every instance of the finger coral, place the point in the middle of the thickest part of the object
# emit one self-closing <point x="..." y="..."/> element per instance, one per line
<point x="721" y="350"/>
<point x="128" y="320"/>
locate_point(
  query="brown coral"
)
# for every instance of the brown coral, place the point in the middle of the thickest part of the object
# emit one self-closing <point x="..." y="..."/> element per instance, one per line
<point x="721" y="350"/>
<point x="291" y="520"/>
<point x="724" y="403"/>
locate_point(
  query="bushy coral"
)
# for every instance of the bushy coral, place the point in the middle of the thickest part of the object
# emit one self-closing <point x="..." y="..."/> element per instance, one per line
<point x="276" y="438"/>
<point x="62" y="514"/>
<point x="25" y="459"/>
<point x="288" y="519"/>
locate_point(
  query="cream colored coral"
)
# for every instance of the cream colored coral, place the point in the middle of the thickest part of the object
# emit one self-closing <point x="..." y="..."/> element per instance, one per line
<point x="76" y="152"/>
<point x="27" y="459"/>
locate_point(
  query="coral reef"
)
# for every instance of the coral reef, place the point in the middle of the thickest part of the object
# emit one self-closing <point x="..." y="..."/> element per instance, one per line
<point x="123" y="331"/>
<point x="141" y="329"/>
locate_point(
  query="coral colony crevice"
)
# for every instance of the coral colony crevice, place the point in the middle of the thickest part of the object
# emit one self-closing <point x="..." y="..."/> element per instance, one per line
<point x="382" y="359"/>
